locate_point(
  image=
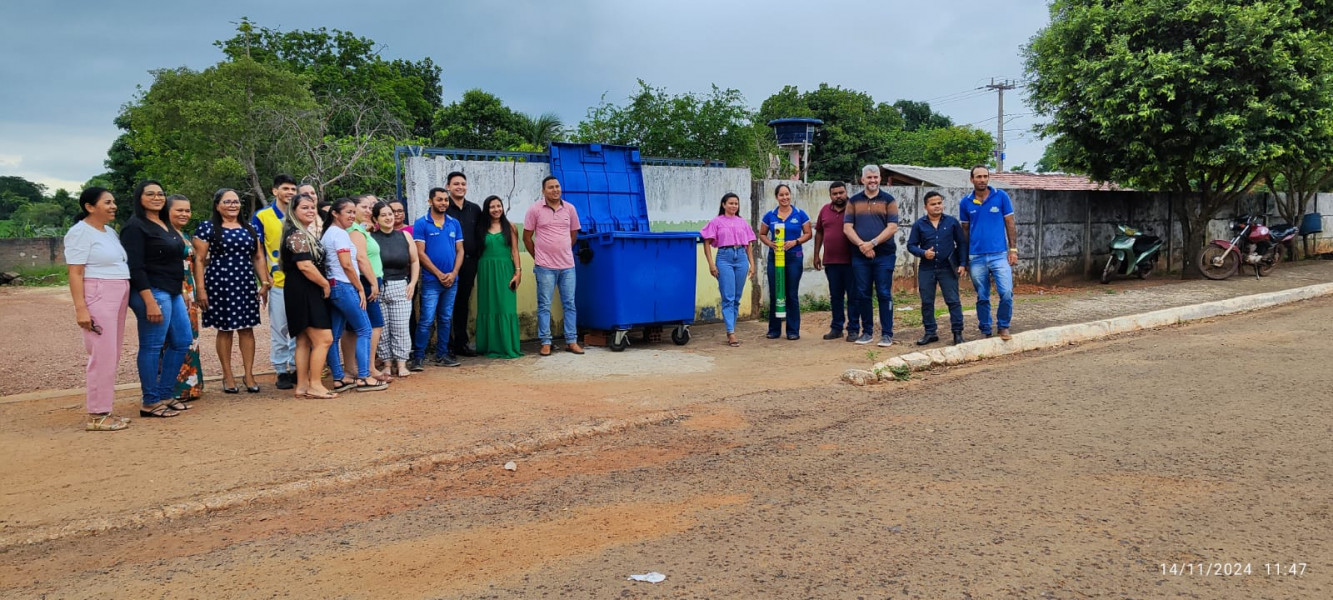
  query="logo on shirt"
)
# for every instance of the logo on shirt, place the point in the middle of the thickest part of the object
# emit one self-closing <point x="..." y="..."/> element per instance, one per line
<point x="792" y="220"/>
<point x="995" y="209"/>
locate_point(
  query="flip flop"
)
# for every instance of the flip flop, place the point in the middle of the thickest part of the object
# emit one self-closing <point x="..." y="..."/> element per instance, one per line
<point x="160" y="411"/>
<point x="341" y="385"/>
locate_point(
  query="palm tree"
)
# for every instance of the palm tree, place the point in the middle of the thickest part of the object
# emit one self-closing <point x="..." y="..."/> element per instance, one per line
<point x="541" y="130"/>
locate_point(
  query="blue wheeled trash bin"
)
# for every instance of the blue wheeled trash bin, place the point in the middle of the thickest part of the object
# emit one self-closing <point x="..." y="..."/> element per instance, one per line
<point x="627" y="276"/>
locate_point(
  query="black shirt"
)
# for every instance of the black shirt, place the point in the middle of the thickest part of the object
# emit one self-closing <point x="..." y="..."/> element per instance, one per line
<point x="467" y="216"/>
<point x="156" y="256"/>
<point x="395" y="256"/>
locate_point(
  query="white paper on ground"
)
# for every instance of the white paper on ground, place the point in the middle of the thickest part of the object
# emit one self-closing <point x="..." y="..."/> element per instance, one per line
<point x="653" y="577"/>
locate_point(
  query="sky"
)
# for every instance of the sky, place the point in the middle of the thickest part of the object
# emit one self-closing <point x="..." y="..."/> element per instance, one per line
<point x="69" y="65"/>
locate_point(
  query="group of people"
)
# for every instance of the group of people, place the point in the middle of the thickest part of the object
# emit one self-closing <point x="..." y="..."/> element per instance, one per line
<point x="854" y="244"/>
<point x="337" y="279"/>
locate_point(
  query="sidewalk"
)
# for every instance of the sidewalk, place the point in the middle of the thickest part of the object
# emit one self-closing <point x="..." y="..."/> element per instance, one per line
<point x="60" y="480"/>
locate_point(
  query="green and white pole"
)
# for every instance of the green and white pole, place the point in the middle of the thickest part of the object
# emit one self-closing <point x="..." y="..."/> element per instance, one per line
<point x="780" y="272"/>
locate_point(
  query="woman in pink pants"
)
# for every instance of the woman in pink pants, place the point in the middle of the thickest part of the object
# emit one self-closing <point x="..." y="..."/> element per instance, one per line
<point x="99" y="280"/>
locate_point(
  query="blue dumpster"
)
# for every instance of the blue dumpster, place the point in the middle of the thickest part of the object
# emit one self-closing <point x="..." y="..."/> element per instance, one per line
<point x="628" y="277"/>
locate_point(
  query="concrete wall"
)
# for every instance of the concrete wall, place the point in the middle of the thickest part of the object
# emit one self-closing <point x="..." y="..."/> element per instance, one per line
<point x="678" y="199"/>
<point x="17" y="253"/>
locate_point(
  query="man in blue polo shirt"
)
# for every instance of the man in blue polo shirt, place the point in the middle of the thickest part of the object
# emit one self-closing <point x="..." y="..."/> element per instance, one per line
<point x="988" y="222"/>
<point x="870" y="221"/>
<point x="439" y="239"/>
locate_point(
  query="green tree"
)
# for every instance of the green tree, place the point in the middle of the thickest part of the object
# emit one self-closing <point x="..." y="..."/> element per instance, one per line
<point x="856" y="129"/>
<point x="942" y="147"/>
<point x="479" y="121"/>
<point x="16" y="191"/>
<point x="1193" y="97"/>
<point x="540" y="130"/>
<point x="41" y="215"/>
<point x="716" y="125"/>
<point x="340" y="64"/>
<point x="918" y="115"/>
<point x="200" y="130"/>
<point x="326" y="158"/>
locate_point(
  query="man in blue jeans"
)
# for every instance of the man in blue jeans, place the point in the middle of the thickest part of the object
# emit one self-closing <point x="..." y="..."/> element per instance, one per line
<point x="870" y="222"/>
<point x="937" y="239"/>
<point x="439" y="239"/>
<point x="988" y="222"/>
<point x="550" y="228"/>
<point x="833" y="255"/>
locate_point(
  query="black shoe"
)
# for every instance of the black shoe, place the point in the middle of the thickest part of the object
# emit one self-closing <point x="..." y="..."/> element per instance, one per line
<point x="833" y="335"/>
<point x="415" y="365"/>
<point x="928" y="339"/>
<point x="447" y="360"/>
<point x="957" y="339"/>
<point x="468" y="352"/>
<point x="851" y="336"/>
<point x="793" y="337"/>
<point x="988" y="334"/>
<point x="772" y="336"/>
<point x="285" y="381"/>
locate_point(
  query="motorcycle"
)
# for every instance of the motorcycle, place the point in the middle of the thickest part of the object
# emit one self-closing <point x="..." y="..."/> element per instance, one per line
<point x="1132" y="253"/>
<point x="1254" y="244"/>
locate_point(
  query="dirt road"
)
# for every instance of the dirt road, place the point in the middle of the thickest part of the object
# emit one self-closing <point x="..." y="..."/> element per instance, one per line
<point x="1080" y="473"/>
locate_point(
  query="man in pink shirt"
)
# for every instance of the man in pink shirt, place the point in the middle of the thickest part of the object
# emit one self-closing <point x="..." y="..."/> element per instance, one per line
<point x="550" y="229"/>
<point x="833" y="255"/>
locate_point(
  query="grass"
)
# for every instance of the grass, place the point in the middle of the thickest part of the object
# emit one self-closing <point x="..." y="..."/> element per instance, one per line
<point x="52" y="276"/>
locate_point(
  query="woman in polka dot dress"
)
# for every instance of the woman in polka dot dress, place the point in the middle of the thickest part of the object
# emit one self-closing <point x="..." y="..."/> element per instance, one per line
<point x="230" y="258"/>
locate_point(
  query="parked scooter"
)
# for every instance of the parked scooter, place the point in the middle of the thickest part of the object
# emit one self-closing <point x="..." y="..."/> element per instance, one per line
<point x="1132" y="253"/>
<point x="1254" y="244"/>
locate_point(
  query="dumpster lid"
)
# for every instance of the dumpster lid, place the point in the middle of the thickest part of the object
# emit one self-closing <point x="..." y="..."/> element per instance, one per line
<point x="605" y="185"/>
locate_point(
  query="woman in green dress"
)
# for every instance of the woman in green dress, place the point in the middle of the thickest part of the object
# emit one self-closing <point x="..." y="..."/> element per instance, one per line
<point x="498" y="275"/>
<point x="190" y="382"/>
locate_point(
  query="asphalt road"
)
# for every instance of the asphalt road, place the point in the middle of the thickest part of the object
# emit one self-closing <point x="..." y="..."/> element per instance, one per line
<point x="1138" y="467"/>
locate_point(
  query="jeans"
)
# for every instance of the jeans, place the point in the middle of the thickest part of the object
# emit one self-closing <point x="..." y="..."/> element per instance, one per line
<point x="437" y="307"/>
<point x="347" y="311"/>
<point x="842" y="283"/>
<point x="547" y="281"/>
<point x="983" y="268"/>
<point x="948" y="283"/>
<point x="282" y="346"/>
<point x="876" y="273"/>
<point x="794" y="268"/>
<point x="732" y="267"/>
<point x="162" y="346"/>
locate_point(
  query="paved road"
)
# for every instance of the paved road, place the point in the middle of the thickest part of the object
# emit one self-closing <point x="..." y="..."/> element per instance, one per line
<point x="1067" y="474"/>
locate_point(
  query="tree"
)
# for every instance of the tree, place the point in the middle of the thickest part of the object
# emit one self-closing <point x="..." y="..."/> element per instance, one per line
<point x="198" y="130"/>
<point x="716" y="125"/>
<point x="1056" y="158"/>
<point x="326" y="158"/>
<point x="479" y="121"/>
<point x="856" y="129"/>
<point x="539" y="131"/>
<point x="950" y="146"/>
<point x="918" y="115"/>
<point x="1196" y="97"/>
<point x="340" y="64"/>
<point x="40" y="215"/>
<point x="16" y="191"/>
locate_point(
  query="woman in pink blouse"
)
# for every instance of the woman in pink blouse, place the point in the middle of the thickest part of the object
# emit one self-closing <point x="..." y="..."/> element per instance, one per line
<point x="734" y="261"/>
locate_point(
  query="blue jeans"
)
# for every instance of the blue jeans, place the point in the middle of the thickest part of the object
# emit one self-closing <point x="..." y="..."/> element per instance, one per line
<point x="842" y="283"/>
<point x="162" y="346"/>
<point x="877" y="274"/>
<point x="795" y="266"/>
<point x="437" y="308"/>
<point x="547" y="281"/>
<point x="346" y="312"/>
<point x="947" y="279"/>
<point x="983" y="268"/>
<point x="732" y="267"/>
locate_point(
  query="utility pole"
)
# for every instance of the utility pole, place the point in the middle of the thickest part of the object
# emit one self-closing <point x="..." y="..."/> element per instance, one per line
<point x="999" y="126"/>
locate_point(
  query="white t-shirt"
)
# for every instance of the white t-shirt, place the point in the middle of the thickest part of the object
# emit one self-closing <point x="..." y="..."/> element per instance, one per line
<point x="336" y="241"/>
<point x="99" y="252"/>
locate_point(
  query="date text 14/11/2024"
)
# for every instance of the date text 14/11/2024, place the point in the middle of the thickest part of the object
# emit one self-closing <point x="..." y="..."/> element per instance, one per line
<point x="1225" y="569"/>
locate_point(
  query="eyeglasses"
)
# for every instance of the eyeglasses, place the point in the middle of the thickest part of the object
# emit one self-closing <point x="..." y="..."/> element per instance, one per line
<point x="155" y="194"/>
<point x="230" y="202"/>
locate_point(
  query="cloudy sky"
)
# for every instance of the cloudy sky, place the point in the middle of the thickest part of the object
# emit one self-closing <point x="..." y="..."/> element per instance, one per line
<point x="68" y="65"/>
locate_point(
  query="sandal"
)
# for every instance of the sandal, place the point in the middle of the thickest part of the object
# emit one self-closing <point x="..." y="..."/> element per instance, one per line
<point x="177" y="405"/>
<point x="106" y="422"/>
<point x="341" y="385"/>
<point x="365" y="386"/>
<point x="159" y="410"/>
<point x="321" y="396"/>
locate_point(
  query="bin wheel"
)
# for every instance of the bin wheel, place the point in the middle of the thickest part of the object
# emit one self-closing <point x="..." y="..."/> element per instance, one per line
<point x="620" y="340"/>
<point x="681" y="335"/>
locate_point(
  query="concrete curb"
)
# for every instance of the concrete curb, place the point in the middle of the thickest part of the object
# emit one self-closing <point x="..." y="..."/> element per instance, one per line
<point x="399" y="467"/>
<point x="1052" y="337"/>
